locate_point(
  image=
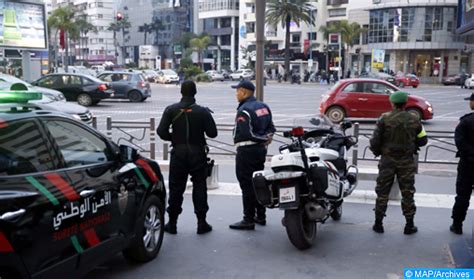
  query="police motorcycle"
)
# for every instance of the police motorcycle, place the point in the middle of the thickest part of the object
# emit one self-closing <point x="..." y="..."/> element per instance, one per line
<point x="310" y="178"/>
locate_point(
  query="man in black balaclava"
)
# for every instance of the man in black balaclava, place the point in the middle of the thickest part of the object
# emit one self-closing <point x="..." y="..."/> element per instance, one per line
<point x="189" y="124"/>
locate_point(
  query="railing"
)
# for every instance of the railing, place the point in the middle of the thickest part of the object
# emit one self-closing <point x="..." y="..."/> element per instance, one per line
<point x="141" y="135"/>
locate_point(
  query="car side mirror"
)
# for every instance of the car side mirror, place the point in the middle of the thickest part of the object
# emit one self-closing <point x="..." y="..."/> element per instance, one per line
<point x="128" y="154"/>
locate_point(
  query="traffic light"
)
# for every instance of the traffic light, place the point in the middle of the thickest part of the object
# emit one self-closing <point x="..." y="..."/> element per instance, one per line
<point x="119" y="16"/>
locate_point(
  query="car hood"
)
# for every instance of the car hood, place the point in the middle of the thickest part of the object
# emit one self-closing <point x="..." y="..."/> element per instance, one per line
<point x="47" y="91"/>
<point x="68" y="108"/>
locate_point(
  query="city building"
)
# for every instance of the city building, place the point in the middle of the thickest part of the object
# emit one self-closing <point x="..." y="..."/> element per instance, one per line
<point x="176" y="18"/>
<point x="93" y="47"/>
<point x="418" y="36"/>
<point x="220" y="21"/>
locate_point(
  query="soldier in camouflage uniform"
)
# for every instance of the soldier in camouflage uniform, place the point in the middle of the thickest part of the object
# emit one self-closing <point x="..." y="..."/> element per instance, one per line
<point x="397" y="138"/>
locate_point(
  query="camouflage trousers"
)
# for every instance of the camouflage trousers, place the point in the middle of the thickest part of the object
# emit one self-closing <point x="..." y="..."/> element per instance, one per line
<point x="404" y="169"/>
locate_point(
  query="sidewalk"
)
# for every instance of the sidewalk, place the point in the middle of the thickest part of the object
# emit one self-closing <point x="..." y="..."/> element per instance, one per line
<point x="345" y="249"/>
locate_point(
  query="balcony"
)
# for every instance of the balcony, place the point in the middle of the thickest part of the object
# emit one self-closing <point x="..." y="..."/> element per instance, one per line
<point x="219" y="31"/>
<point x="296" y="45"/>
<point x="271" y="33"/>
<point x="250" y="17"/>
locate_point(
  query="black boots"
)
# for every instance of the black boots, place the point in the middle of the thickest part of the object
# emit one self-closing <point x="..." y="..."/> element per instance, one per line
<point x="203" y="227"/>
<point x="410" y="227"/>
<point x="378" y="226"/>
<point x="170" y="227"/>
<point x="243" y="225"/>
<point x="456" y="227"/>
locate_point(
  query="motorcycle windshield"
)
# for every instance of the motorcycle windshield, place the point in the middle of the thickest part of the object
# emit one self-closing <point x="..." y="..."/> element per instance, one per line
<point x="318" y="122"/>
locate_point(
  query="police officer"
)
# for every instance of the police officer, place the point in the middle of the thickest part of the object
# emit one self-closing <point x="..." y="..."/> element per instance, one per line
<point x="464" y="138"/>
<point x="253" y="132"/>
<point x="189" y="123"/>
<point x="397" y="137"/>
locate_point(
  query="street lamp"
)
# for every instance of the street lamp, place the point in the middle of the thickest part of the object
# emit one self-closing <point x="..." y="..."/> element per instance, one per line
<point x="260" y="26"/>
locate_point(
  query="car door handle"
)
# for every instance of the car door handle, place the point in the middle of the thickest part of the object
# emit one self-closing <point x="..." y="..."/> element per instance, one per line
<point x="9" y="216"/>
<point x="87" y="193"/>
<point x="363" y="99"/>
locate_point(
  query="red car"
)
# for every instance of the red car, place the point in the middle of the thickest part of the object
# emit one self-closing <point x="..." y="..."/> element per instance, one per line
<point x="407" y="80"/>
<point x="367" y="98"/>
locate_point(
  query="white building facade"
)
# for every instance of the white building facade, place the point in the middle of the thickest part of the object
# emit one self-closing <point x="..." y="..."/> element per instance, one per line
<point x="220" y="20"/>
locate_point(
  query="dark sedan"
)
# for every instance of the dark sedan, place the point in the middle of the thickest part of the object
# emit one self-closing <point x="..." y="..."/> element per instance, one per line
<point x="452" y="80"/>
<point x="84" y="89"/>
<point x="128" y="85"/>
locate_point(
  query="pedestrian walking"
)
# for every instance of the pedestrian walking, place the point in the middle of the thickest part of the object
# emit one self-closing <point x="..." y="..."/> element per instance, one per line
<point x="462" y="79"/>
<point x="397" y="137"/>
<point x="189" y="123"/>
<point x="464" y="138"/>
<point x="253" y="132"/>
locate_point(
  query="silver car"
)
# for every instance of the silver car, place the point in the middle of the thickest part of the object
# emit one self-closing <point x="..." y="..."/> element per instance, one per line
<point x="52" y="100"/>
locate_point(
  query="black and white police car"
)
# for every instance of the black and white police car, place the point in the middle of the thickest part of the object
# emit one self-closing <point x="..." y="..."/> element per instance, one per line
<point x="69" y="197"/>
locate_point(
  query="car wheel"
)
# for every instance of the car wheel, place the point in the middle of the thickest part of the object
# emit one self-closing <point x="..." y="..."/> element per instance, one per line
<point x="149" y="232"/>
<point x="336" y="114"/>
<point x="135" y="96"/>
<point x="416" y="112"/>
<point x="415" y="86"/>
<point x="84" y="100"/>
<point x="402" y="85"/>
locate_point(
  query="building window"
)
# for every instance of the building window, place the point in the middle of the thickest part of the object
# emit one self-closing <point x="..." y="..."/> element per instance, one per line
<point x="100" y="16"/>
<point x="225" y="40"/>
<point x="336" y="2"/>
<point x="250" y="27"/>
<point x="312" y="36"/>
<point x="100" y="4"/>
<point x="101" y="40"/>
<point x="295" y="38"/>
<point x="412" y="24"/>
<point x="337" y="12"/>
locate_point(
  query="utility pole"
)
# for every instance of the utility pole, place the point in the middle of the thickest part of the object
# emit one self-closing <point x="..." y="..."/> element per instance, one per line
<point x="260" y="6"/>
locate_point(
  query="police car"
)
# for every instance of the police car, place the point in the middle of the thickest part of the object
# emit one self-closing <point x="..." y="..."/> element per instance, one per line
<point x="69" y="197"/>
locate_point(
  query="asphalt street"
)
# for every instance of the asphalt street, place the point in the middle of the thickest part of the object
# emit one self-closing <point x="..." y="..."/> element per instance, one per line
<point x="345" y="249"/>
<point x="288" y="102"/>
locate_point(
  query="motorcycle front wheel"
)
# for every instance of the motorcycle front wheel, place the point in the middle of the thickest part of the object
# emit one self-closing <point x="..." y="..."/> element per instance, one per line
<point x="300" y="229"/>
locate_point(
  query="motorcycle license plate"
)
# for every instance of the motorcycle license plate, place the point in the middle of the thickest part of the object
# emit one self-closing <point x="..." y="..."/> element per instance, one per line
<point x="287" y="195"/>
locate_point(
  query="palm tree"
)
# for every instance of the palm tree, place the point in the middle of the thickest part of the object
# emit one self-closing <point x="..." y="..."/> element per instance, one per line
<point x="350" y="32"/>
<point x="62" y="20"/>
<point x="286" y="11"/>
<point x="145" y="29"/>
<point x="199" y="44"/>
<point x="84" y="28"/>
<point x="120" y="25"/>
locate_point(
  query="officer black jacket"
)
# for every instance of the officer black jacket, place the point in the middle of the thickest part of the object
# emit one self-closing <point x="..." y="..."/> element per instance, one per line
<point x="253" y="122"/>
<point x="464" y="137"/>
<point x="181" y="114"/>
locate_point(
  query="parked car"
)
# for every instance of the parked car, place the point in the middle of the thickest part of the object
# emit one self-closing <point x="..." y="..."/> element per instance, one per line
<point x="98" y="69"/>
<point x="167" y="76"/>
<point x="78" y="70"/>
<point x="51" y="99"/>
<point x="379" y="75"/>
<point x="215" y="75"/>
<point x="226" y="73"/>
<point x="469" y="83"/>
<point x="242" y="74"/>
<point x="452" y="80"/>
<point x="71" y="198"/>
<point x="150" y="75"/>
<point x="86" y="90"/>
<point x="128" y="85"/>
<point x="407" y="80"/>
<point x="367" y="98"/>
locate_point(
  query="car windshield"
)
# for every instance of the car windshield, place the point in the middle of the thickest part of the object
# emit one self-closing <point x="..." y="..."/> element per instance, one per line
<point x="169" y="72"/>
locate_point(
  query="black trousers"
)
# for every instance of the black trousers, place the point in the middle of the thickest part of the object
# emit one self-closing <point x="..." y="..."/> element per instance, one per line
<point x="464" y="183"/>
<point x="188" y="161"/>
<point x="250" y="159"/>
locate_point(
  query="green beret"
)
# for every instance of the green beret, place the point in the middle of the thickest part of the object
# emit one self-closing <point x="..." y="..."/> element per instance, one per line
<point x="399" y="97"/>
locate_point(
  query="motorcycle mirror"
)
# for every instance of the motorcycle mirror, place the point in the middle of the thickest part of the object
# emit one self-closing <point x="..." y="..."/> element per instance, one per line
<point x="315" y="121"/>
<point x="297" y="132"/>
<point x="346" y="125"/>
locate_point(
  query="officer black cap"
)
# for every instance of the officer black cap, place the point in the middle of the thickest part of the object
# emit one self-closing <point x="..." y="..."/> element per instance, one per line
<point x="470" y="98"/>
<point x="245" y="84"/>
<point x="188" y="88"/>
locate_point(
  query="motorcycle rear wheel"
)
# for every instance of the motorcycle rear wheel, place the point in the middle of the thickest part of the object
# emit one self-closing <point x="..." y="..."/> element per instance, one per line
<point x="300" y="229"/>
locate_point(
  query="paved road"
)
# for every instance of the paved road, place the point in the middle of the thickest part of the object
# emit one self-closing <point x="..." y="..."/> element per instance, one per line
<point x="287" y="102"/>
<point x="345" y="249"/>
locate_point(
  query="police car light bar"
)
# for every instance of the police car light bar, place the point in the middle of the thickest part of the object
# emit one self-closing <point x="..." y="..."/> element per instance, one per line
<point x="18" y="93"/>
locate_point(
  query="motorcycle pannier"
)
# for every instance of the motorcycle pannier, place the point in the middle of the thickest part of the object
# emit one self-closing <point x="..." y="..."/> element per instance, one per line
<point x="325" y="180"/>
<point x="262" y="190"/>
